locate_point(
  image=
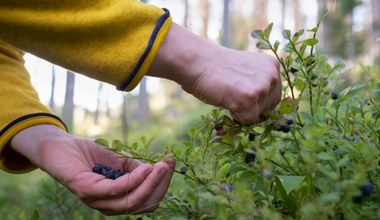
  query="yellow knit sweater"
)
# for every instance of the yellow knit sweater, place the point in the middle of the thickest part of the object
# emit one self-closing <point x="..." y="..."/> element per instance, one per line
<point x="112" y="41"/>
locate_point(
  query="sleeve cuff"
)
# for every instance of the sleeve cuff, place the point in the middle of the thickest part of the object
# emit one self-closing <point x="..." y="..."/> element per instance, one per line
<point x="157" y="38"/>
<point x="11" y="161"/>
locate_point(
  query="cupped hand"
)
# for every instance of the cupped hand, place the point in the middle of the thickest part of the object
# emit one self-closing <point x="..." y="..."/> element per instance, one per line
<point x="70" y="159"/>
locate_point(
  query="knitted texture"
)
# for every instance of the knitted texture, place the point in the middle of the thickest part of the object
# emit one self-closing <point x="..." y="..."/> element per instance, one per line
<point x="20" y="108"/>
<point x="111" y="41"/>
<point x="102" y="39"/>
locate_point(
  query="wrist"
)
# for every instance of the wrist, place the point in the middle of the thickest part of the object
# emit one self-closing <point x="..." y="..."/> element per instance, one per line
<point x="182" y="57"/>
<point x="29" y="141"/>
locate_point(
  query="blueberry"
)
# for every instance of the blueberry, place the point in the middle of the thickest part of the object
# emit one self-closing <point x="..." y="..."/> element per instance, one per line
<point x="293" y="70"/>
<point x="366" y="189"/>
<point x="290" y="122"/>
<point x="108" y="168"/>
<point x="110" y="174"/>
<point x="227" y="187"/>
<point x="285" y="128"/>
<point x="218" y="126"/>
<point x="98" y="168"/>
<point x="334" y="95"/>
<point x="250" y="157"/>
<point x="357" y="199"/>
<point x="118" y="173"/>
<point x="251" y="136"/>
<point x="183" y="170"/>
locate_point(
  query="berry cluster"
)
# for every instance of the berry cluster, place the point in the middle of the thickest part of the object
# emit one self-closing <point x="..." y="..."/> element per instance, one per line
<point x="366" y="191"/>
<point x="286" y="127"/>
<point x="107" y="171"/>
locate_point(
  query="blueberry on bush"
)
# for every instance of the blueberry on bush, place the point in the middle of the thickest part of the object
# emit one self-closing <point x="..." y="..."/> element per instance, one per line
<point x="366" y="189"/>
<point x="285" y="128"/>
<point x="183" y="170"/>
<point x="293" y="70"/>
<point x="334" y="95"/>
<point x="290" y="122"/>
<point x="227" y="187"/>
<point x="251" y="136"/>
<point x="250" y="157"/>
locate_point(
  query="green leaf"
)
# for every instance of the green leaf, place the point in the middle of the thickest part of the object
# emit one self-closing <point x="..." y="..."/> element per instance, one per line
<point x="288" y="48"/>
<point x="268" y="30"/>
<point x="258" y="34"/>
<point x="299" y="84"/>
<point x="222" y="172"/>
<point x="310" y="42"/>
<point x="325" y="156"/>
<point x="263" y="45"/>
<point x="376" y="96"/>
<point x="286" y="34"/>
<point x="276" y="45"/>
<point x="102" y="142"/>
<point x="35" y="216"/>
<point x="288" y="106"/>
<point x="117" y="145"/>
<point x="290" y="183"/>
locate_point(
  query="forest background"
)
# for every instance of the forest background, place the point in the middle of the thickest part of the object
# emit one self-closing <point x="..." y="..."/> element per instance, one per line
<point x="159" y="109"/>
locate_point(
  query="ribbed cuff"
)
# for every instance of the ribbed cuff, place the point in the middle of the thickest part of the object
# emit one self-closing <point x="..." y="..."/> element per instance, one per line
<point x="10" y="160"/>
<point x="145" y="61"/>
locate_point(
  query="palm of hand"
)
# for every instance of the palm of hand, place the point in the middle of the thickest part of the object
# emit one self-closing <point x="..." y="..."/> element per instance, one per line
<point x="70" y="162"/>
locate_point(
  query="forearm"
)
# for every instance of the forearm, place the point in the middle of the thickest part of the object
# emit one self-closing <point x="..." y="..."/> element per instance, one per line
<point x="111" y="41"/>
<point x="184" y="56"/>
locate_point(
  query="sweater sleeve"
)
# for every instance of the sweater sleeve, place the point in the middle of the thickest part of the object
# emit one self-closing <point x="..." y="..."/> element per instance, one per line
<point x="20" y="108"/>
<point x="111" y="41"/>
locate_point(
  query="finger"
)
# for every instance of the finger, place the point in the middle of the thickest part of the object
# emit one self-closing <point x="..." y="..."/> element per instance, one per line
<point x="107" y="188"/>
<point x="131" y="201"/>
<point x="154" y="200"/>
<point x="130" y="164"/>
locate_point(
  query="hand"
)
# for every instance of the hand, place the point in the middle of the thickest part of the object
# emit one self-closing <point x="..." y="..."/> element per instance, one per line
<point x="246" y="83"/>
<point x="70" y="159"/>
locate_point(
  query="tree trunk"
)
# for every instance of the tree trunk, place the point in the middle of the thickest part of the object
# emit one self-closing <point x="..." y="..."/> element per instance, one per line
<point x="226" y="32"/>
<point x="260" y="14"/>
<point x="52" y="92"/>
<point x="205" y="14"/>
<point x="143" y="108"/>
<point x="298" y="17"/>
<point x="124" y="119"/>
<point x="97" y="111"/>
<point x="68" y="107"/>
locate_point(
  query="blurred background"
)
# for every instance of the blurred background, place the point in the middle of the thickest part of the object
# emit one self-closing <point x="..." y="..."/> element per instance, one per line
<point x="159" y="109"/>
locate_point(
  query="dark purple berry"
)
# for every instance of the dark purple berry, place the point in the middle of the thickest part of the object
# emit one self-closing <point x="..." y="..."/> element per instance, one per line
<point x="183" y="170"/>
<point x="217" y="127"/>
<point x="293" y="70"/>
<point x="357" y="199"/>
<point x="250" y="157"/>
<point x="366" y="189"/>
<point x="98" y="168"/>
<point x="227" y="187"/>
<point x="118" y="173"/>
<point x="251" y="136"/>
<point x="285" y="128"/>
<point x="108" y="168"/>
<point x="290" y="122"/>
<point x="334" y="95"/>
<point x="110" y="175"/>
